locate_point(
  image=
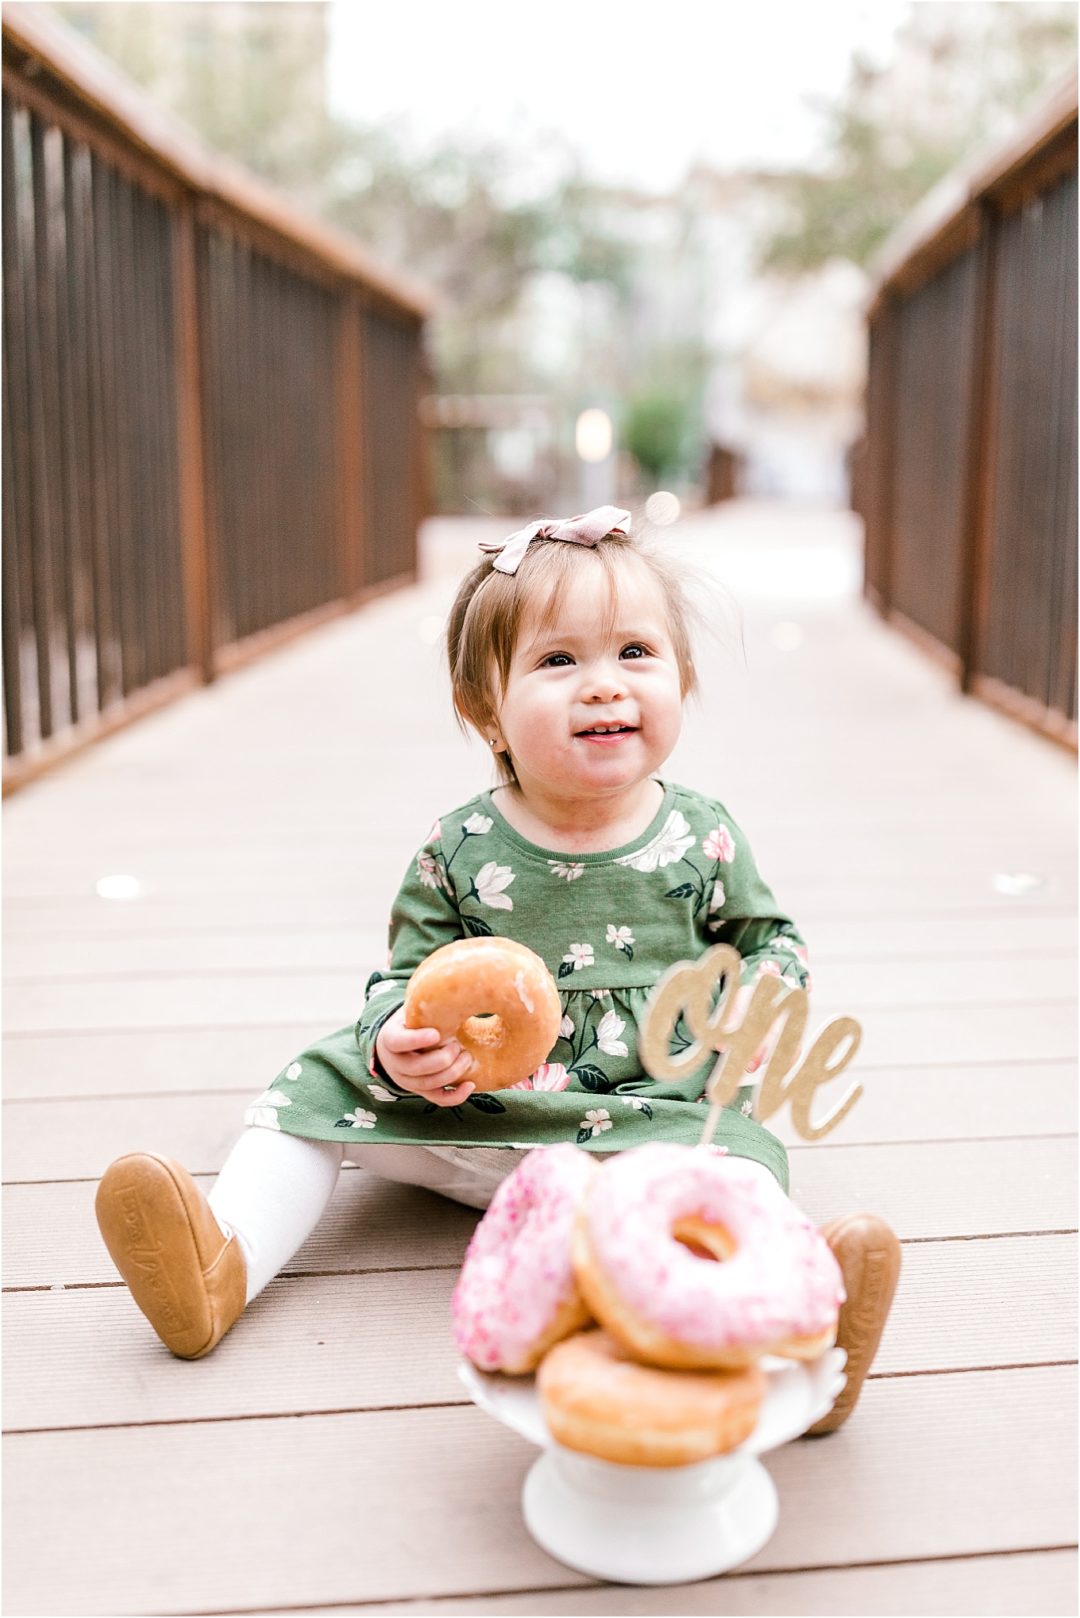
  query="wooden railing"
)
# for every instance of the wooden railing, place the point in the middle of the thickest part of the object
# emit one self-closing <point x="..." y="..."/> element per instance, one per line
<point x="211" y="435"/>
<point x="966" y="479"/>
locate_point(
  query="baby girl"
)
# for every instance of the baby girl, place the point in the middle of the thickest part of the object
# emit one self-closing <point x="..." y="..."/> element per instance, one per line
<point x="570" y="653"/>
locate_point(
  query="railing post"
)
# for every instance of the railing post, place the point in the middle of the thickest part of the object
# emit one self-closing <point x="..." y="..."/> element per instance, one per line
<point x="190" y="444"/>
<point x="980" y="459"/>
<point x="350" y="447"/>
<point x="421" y="439"/>
<point x="886" y="460"/>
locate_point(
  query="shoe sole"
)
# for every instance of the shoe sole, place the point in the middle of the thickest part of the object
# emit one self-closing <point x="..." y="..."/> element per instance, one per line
<point x="144" y="1220"/>
<point x="869" y="1257"/>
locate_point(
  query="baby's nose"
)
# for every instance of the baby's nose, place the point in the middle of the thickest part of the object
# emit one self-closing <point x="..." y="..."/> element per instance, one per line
<point x="604" y="685"/>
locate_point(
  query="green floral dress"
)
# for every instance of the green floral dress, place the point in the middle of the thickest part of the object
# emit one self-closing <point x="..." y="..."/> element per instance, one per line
<point x="608" y="925"/>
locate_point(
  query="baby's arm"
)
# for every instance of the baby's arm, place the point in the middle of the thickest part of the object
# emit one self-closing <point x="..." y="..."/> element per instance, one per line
<point x="751" y="921"/>
<point x="424" y="917"/>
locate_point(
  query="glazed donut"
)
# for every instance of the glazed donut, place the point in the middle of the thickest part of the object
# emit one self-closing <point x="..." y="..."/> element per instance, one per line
<point x="488" y="978"/>
<point x="517" y="1293"/>
<point x="595" y="1398"/>
<point x="778" y="1289"/>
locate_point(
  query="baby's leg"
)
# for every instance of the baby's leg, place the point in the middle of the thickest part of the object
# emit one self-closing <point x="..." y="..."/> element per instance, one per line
<point x="467" y="1174"/>
<point x="271" y="1193"/>
<point x="192" y="1263"/>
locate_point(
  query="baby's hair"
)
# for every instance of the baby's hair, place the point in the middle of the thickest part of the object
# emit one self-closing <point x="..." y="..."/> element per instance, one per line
<point x="490" y="607"/>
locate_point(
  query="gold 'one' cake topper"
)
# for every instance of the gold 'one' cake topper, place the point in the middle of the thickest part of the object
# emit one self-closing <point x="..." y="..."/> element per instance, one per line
<point x="702" y="992"/>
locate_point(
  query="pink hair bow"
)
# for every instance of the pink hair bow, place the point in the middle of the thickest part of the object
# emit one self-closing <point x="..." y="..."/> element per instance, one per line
<point x="584" y="530"/>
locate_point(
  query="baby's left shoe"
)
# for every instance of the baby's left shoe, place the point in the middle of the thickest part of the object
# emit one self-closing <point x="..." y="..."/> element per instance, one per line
<point x="188" y="1278"/>
<point x="868" y="1254"/>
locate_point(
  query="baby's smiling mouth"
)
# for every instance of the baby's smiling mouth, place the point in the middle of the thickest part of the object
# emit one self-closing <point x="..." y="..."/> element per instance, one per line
<point x="608" y="730"/>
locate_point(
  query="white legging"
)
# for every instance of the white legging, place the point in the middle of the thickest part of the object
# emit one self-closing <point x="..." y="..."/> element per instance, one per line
<point x="274" y="1188"/>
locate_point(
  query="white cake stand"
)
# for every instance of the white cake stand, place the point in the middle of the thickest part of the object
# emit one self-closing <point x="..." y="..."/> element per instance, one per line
<point x="658" y="1525"/>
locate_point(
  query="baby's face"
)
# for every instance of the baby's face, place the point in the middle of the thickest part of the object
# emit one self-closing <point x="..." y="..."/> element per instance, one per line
<point x="571" y="678"/>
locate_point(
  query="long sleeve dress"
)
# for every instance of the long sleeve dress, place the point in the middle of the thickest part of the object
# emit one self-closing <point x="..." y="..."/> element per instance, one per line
<point x="607" y="925"/>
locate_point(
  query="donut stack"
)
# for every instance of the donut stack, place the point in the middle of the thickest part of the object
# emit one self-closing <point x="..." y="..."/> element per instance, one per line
<point x="604" y="1277"/>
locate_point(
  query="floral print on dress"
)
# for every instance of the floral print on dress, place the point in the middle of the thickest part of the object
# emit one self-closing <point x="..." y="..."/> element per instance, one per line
<point x="607" y="1035"/>
<point x="579" y="956"/>
<point x="551" y="1076"/>
<point x="719" y="845"/>
<point x="598" y="1031"/>
<point x="486" y="888"/>
<point x="669" y="845"/>
<point x="359" y="1119"/>
<point x="430" y="871"/>
<point x="263" y="1112"/>
<point x="433" y="865"/>
<point x="622" y="938"/>
<point x="569" y="873"/>
<point x="491" y="879"/>
<point x="594" y="1123"/>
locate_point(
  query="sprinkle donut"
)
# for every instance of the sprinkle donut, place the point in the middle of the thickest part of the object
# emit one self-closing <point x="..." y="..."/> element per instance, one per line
<point x="517" y="1293"/>
<point x="598" y="1400"/>
<point x="496" y="998"/>
<point x="777" y="1291"/>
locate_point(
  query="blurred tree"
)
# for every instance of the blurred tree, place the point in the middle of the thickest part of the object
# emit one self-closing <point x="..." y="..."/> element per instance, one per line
<point x="959" y="76"/>
<point x="661" y="424"/>
<point x="249" y="77"/>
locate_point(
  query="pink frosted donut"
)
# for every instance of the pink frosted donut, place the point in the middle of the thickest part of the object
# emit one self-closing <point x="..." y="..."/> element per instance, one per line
<point x="517" y="1293"/>
<point x="778" y="1289"/>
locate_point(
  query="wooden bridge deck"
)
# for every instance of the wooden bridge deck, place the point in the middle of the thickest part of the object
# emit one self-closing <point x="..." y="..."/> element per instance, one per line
<point x="325" y="1457"/>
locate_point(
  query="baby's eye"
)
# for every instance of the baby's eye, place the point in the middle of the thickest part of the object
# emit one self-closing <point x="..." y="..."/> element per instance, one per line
<point x="636" y="648"/>
<point x="551" y="659"/>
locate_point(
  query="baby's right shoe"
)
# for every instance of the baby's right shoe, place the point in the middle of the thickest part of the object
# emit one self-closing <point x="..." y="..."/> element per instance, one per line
<point x="187" y="1277"/>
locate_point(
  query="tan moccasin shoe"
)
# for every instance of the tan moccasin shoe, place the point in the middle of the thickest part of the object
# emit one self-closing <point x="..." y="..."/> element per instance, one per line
<point x="868" y="1254"/>
<point x="188" y="1279"/>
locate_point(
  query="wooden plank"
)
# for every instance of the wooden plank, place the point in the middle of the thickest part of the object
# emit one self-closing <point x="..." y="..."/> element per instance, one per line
<point x="84" y="1356"/>
<point x="924" y="1458"/>
<point x="954" y="1188"/>
<point x="332" y="999"/>
<point x="198" y="998"/>
<point x="946" y="1103"/>
<point x="52" y="1240"/>
<point x="970" y="1587"/>
<point x="44" y="957"/>
<point x="125" y="1062"/>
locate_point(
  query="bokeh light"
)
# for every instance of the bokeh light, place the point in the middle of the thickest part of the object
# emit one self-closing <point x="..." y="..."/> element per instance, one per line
<point x="787" y="637"/>
<point x="593" y="436"/>
<point x="118" y="887"/>
<point x="663" y="508"/>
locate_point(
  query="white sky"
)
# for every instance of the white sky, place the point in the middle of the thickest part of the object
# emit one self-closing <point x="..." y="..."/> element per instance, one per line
<point x="639" y="90"/>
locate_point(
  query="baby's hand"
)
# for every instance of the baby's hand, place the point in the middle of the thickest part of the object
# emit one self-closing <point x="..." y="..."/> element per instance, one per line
<point x="418" y="1059"/>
